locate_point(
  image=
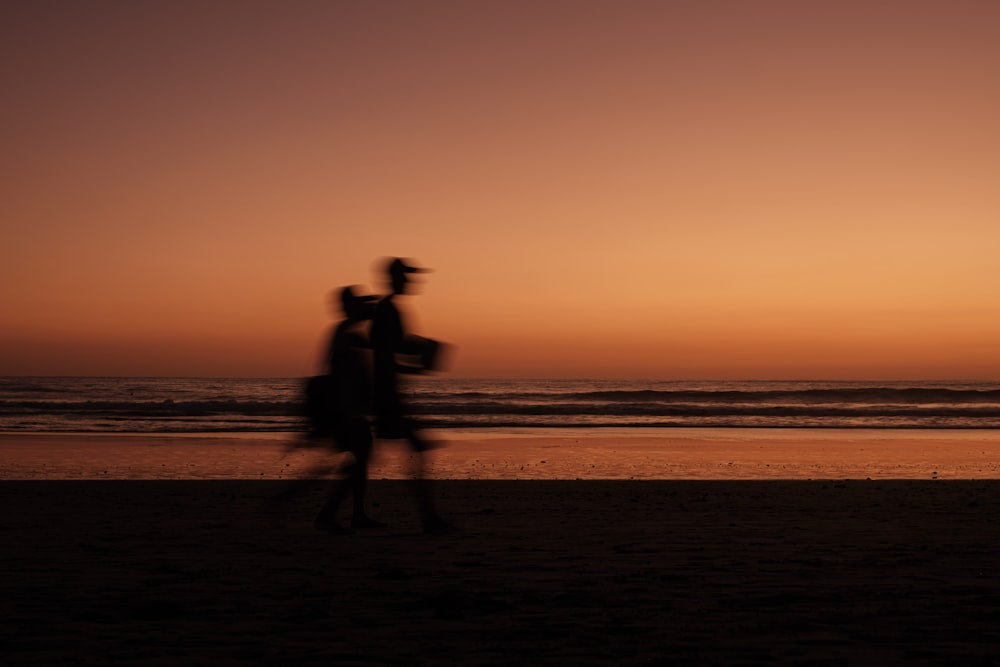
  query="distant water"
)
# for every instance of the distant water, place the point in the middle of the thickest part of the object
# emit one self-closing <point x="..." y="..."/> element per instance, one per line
<point x="174" y="405"/>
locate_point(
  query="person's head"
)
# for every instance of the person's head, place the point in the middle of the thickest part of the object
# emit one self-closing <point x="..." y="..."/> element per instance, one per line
<point x="398" y="270"/>
<point x="356" y="306"/>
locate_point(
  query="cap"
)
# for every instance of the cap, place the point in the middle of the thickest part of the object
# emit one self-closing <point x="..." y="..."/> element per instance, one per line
<point x="399" y="265"/>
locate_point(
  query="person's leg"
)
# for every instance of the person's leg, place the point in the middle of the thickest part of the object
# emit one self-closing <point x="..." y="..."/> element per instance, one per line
<point x="360" y="518"/>
<point x="360" y="485"/>
<point x="433" y="522"/>
<point x="327" y="520"/>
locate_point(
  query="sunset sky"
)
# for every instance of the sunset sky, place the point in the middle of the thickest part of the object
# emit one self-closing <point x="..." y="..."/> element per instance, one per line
<point x="636" y="189"/>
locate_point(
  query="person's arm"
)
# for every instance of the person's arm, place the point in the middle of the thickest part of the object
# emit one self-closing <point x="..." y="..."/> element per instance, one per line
<point x="421" y="355"/>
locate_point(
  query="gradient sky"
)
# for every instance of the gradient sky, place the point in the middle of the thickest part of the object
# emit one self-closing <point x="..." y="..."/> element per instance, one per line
<point x="685" y="189"/>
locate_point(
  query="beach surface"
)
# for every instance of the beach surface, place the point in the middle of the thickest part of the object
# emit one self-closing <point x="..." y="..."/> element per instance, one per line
<point x="746" y="551"/>
<point x="542" y="572"/>
<point x="567" y="454"/>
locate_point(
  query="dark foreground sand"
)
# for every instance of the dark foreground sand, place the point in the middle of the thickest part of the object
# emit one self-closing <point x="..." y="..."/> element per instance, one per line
<point x="542" y="572"/>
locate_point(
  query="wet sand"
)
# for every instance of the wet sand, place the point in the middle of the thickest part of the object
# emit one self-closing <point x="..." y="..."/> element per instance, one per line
<point x="541" y="572"/>
<point x="589" y="454"/>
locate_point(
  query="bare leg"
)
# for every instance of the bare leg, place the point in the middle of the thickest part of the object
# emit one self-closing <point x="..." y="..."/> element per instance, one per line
<point x="433" y="522"/>
<point x="360" y="518"/>
<point x="327" y="518"/>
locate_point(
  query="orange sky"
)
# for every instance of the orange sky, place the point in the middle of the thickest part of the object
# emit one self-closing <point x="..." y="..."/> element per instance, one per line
<point x="627" y="189"/>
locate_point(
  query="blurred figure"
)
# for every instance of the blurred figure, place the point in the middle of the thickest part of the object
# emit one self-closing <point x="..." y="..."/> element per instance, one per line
<point x="338" y="407"/>
<point x="348" y="368"/>
<point x="396" y="352"/>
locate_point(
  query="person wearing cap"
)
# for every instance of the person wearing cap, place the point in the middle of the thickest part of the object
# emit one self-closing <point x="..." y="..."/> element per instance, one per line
<point x="349" y="371"/>
<point x="393" y="349"/>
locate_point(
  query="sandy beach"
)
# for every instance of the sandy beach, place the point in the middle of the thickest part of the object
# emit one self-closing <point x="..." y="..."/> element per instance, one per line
<point x="540" y="572"/>
<point x="566" y="454"/>
<point x="696" y="571"/>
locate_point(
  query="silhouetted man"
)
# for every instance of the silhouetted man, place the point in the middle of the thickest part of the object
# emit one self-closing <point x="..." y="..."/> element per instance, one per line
<point x="339" y="407"/>
<point x="349" y="371"/>
<point x="397" y="352"/>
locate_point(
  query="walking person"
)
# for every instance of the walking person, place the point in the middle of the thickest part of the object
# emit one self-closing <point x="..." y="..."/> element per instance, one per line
<point x="338" y="409"/>
<point x="397" y="352"/>
<point x="349" y="387"/>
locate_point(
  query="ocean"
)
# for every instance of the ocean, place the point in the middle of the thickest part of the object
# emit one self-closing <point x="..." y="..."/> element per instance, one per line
<point x="273" y="405"/>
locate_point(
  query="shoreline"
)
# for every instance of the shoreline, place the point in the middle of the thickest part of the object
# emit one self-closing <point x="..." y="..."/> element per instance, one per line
<point x="638" y="430"/>
<point x="568" y="454"/>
